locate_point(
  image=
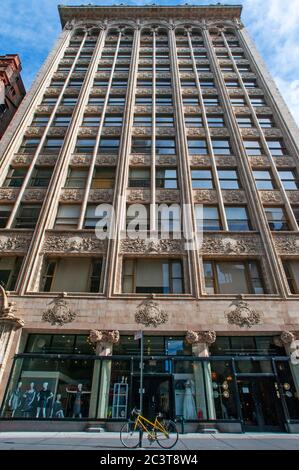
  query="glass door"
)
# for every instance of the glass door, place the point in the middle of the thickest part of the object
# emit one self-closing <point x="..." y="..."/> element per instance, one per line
<point x="260" y="404"/>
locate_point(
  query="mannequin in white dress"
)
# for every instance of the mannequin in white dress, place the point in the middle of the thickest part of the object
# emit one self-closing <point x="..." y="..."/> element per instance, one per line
<point x="189" y="408"/>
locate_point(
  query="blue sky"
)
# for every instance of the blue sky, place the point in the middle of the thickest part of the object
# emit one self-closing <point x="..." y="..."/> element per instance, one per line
<point x="30" y="27"/>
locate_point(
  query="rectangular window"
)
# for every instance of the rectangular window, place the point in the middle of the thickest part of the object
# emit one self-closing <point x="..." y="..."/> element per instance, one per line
<point x="5" y="211"/>
<point x="69" y="101"/>
<point x="197" y="147"/>
<point x="277" y="219"/>
<point x="27" y="216"/>
<point x="100" y="83"/>
<point x="211" y="101"/>
<point x="75" y="83"/>
<point x="207" y="218"/>
<point x="164" y="120"/>
<point x="119" y="83"/>
<point x="109" y="145"/>
<point x="160" y="83"/>
<point x="228" y="179"/>
<point x="203" y="68"/>
<point x="221" y="146"/>
<point x="237" y="101"/>
<point x="52" y="145"/>
<point x="277" y="147"/>
<point x="165" y="146"/>
<point x="166" y="178"/>
<point x="93" y="216"/>
<point x="253" y="147"/>
<point x="76" y="178"/>
<point x="142" y="120"/>
<point x="90" y="120"/>
<point x="258" y="102"/>
<point x="207" y="83"/>
<point x="49" y="100"/>
<point x="237" y="219"/>
<point x="139" y="178"/>
<point x="190" y="101"/>
<point x="103" y="178"/>
<point x="15" y="177"/>
<point x="232" y="83"/>
<point x="116" y="100"/>
<point x="250" y="83"/>
<point x="61" y="120"/>
<point x="67" y="216"/>
<point x="188" y="83"/>
<point x="72" y="274"/>
<point x="96" y="100"/>
<point x="266" y="122"/>
<point x="162" y="100"/>
<point x="113" y="120"/>
<point x="143" y="100"/>
<point x="144" y="83"/>
<point x="263" y="179"/>
<point x="291" y="269"/>
<point x="193" y="120"/>
<point x="244" y="121"/>
<point x="147" y="276"/>
<point x="9" y="271"/>
<point x="85" y="145"/>
<point x="215" y="120"/>
<point x="29" y="146"/>
<point x="202" y="179"/>
<point x="141" y="145"/>
<point x="289" y="179"/>
<point x="40" y="177"/>
<point x="233" y="277"/>
<point x="40" y="120"/>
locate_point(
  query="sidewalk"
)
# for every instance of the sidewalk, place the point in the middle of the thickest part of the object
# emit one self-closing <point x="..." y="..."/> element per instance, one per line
<point x="109" y="441"/>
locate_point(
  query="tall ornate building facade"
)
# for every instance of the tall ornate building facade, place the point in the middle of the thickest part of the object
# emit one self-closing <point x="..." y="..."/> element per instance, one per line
<point x="12" y="89"/>
<point x="150" y="105"/>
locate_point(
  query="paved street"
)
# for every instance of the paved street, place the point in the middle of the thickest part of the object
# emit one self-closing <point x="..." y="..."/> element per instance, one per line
<point x="109" y="441"/>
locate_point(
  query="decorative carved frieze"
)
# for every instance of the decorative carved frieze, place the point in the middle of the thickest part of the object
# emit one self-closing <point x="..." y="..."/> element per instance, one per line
<point x="104" y="336"/>
<point x="204" y="195"/>
<point x="225" y="161"/>
<point x="285" y="162"/>
<point x="196" y="132"/>
<point x="109" y="160"/>
<point x="234" y="196"/>
<point x="8" y="194"/>
<point x="143" y="109"/>
<point x="100" y="195"/>
<point x="66" y="242"/>
<point x="222" y="244"/>
<point x="87" y="131"/>
<point x="138" y="195"/>
<point x="250" y="133"/>
<point x="90" y="109"/>
<point x="241" y="110"/>
<point x="150" y="313"/>
<point x="57" y="131"/>
<point x="200" y="160"/>
<point x="142" y="159"/>
<point x="243" y="315"/>
<point x="14" y="242"/>
<point x="34" y="131"/>
<point x="192" y="110"/>
<point x="43" y="108"/>
<point x="80" y="160"/>
<point x="141" y="131"/>
<point x="34" y="194"/>
<point x="259" y="161"/>
<point x="151" y="247"/>
<point x="194" y="337"/>
<point x="293" y="196"/>
<point x="165" y="131"/>
<point x="71" y="195"/>
<point x="286" y="243"/>
<point x="268" y="197"/>
<point x="166" y="160"/>
<point x="60" y="313"/>
<point x="273" y="132"/>
<point x="219" y="132"/>
<point x="52" y="91"/>
<point x="22" y="159"/>
<point x="167" y="195"/>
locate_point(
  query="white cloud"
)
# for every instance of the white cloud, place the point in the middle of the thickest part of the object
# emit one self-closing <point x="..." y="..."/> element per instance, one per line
<point x="274" y="26"/>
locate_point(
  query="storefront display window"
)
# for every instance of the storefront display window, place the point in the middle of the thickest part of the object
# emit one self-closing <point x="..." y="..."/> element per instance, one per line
<point x="288" y="376"/>
<point x="221" y="394"/>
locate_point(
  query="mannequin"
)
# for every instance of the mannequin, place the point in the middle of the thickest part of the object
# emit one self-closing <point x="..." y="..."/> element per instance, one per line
<point x="29" y="397"/>
<point x="57" y="411"/>
<point x="15" y="399"/>
<point x="43" y="398"/>
<point x="77" y="411"/>
<point x="189" y="408"/>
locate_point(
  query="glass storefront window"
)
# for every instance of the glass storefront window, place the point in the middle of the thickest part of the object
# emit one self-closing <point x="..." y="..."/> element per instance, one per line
<point x="60" y="344"/>
<point x="254" y="367"/>
<point x="287" y="376"/>
<point x="245" y="346"/>
<point x="220" y="392"/>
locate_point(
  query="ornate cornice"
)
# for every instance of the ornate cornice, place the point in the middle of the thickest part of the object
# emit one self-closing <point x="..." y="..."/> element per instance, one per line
<point x="286" y="243"/>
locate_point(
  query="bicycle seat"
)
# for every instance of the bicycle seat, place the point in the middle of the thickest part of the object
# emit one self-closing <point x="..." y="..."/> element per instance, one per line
<point x="135" y="412"/>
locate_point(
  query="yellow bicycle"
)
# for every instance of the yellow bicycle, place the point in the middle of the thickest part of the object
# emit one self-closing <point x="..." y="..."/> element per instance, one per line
<point x="163" y="431"/>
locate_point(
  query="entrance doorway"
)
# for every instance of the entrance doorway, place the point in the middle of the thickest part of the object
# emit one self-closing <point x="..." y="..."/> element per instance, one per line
<point x="157" y="396"/>
<point x="260" y="404"/>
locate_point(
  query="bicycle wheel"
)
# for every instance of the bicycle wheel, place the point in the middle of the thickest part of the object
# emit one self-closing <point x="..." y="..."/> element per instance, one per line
<point x="168" y="439"/>
<point x="129" y="436"/>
